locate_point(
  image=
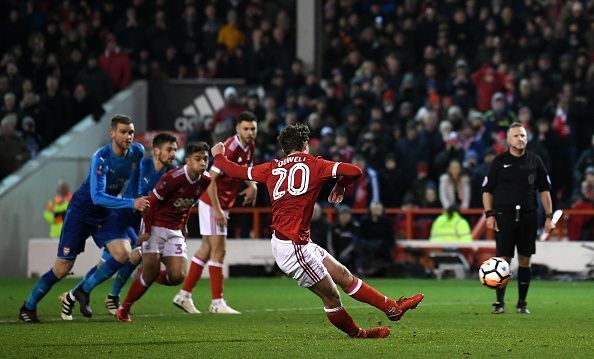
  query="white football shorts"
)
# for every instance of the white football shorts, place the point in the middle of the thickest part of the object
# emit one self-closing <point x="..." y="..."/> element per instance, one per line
<point x="208" y="224"/>
<point x="301" y="262"/>
<point x="167" y="242"/>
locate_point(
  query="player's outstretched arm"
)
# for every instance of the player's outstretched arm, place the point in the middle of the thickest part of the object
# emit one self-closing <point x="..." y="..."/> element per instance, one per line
<point x="349" y="174"/>
<point x="230" y="168"/>
<point x="98" y="181"/>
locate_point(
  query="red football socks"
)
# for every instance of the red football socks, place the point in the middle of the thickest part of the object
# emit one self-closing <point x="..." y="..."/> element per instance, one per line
<point x="194" y="274"/>
<point x="137" y="289"/>
<point x="343" y="321"/>
<point x="215" y="270"/>
<point x="362" y="292"/>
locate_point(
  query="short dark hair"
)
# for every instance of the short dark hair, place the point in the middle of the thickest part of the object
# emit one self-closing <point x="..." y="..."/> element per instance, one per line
<point x="162" y="138"/>
<point x="293" y="137"/>
<point x="120" y="119"/>
<point x="194" y="147"/>
<point x="513" y="125"/>
<point x="246" y="116"/>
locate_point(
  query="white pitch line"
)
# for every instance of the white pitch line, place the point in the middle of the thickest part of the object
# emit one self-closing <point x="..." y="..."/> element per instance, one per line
<point x="261" y="310"/>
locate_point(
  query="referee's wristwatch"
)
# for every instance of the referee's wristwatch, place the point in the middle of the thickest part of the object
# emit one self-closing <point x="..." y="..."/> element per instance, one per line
<point x="489" y="213"/>
<point x="548" y="215"/>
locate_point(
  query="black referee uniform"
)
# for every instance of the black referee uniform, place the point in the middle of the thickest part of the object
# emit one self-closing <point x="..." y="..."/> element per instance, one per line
<point x="514" y="183"/>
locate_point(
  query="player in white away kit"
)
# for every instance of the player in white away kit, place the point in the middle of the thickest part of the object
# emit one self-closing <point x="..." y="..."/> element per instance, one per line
<point x="213" y="210"/>
<point x="294" y="184"/>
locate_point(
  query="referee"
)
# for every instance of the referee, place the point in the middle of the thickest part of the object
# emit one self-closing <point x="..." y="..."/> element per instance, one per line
<point x="509" y="199"/>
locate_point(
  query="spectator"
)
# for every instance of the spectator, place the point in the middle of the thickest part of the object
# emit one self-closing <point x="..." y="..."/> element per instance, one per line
<point x="376" y="240"/>
<point x="230" y="35"/>
<point x="115" y="63"/>
<point x="13" y="150"/>
<point x="55" y="210"/>
<point x="418" y="187"/>
<point x="453" y="151"/>
<point x="585" y="160"/>
<point x="497" y="122"/>
<point x="33" y="140"/>
<point x="487" y="82"/>
<point x="454" y="187"/>
<point x="320" y="229"/>
<point x="210" y="29"/>
<point x="224" y="119"/>
<point x="410" y="151"/>
<point x="9" y="105"/>
<point x="58" y="108"/>
<point x="82" y="105"/>
<point x="477" y="177"/>
<point x="96" y="82"/>
<point x="430" y="198"/>
<point x="581" y="227"/>
<point x="450" y="226"/>
<point x="392" y="182"/>
<point x="341" y="151"/>
<point x="366" y="189"/>
<point x="30" y="107"/>
<point x="345" y="233"/>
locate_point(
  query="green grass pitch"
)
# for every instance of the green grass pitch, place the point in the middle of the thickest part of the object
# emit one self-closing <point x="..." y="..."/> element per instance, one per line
<point x="282" y="320"/>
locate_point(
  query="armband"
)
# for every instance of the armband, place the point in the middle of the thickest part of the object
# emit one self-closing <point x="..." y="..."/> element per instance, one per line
<point x="489" y="213"/>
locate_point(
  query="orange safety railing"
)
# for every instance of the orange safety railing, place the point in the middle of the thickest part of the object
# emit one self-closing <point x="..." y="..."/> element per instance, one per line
<point x="409" y="215"/>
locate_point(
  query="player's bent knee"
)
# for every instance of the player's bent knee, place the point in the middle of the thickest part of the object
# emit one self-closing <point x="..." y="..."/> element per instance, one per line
<point x="135" y="257"/>
<point x="218" y="255"/>
<point x="176" y="278"/>
<point x="122" y="257"/>
<point x="62" y="267"/>
<point x="61" y="272"/>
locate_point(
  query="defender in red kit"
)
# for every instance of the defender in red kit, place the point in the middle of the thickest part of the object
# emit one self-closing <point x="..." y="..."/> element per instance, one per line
<point x="163" y="235"/>
<point x="213" y="212"/>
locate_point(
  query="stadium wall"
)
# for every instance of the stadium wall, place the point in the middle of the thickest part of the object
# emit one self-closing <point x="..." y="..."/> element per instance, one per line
<point x="23" y="194"/>
<point x="562" y="256"/>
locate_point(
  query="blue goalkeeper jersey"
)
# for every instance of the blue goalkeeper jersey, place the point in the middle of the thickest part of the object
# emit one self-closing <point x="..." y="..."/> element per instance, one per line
<point x="107" y="177"/>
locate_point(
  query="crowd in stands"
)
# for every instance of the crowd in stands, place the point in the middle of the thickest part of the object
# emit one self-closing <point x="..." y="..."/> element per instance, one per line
<point x="60" y="60"/>
<point x="417" y="93"/>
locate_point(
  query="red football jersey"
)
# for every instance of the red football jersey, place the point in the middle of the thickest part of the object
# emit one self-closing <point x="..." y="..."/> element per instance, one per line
<point x="172" y="198"/>
<point x="227" y="187"/>
<point x="294" y="184"/>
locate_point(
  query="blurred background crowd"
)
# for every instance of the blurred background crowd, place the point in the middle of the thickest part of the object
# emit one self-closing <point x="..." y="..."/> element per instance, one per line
<point x="417" y="93"/>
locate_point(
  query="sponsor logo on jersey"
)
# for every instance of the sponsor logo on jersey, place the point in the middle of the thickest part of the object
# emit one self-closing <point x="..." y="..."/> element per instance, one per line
<point x="183" y="203"/>
<point x="66" y="251"/>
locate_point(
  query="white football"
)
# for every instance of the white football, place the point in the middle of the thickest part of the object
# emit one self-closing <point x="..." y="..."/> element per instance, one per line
<point x="494" y="273"/>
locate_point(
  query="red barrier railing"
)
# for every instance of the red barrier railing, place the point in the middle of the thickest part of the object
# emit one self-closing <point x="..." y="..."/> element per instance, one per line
<point x="409" y="215"/>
